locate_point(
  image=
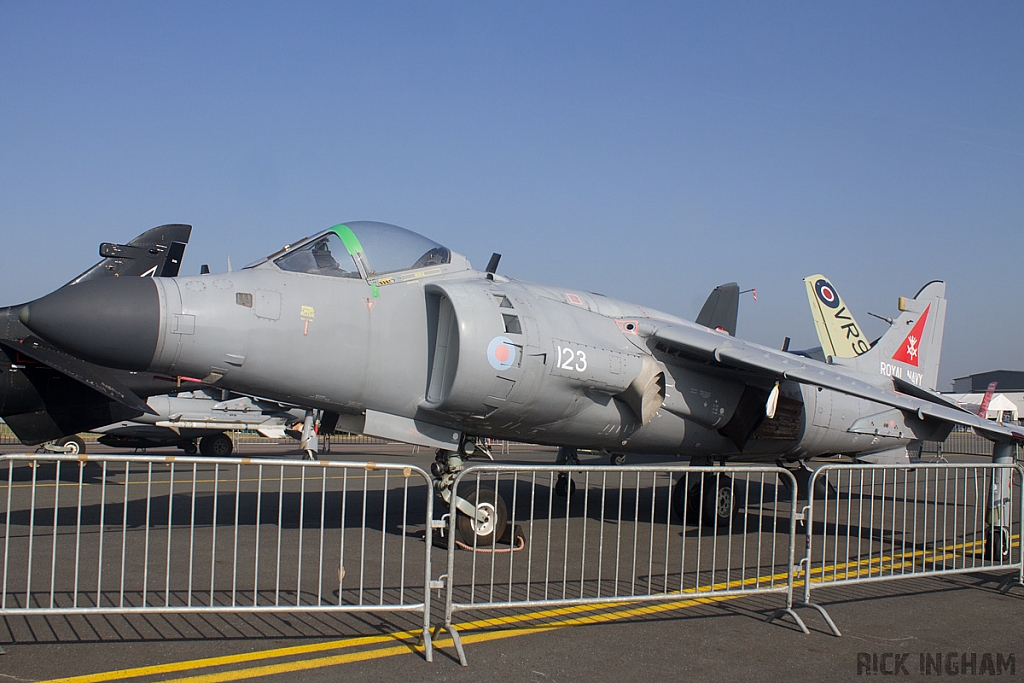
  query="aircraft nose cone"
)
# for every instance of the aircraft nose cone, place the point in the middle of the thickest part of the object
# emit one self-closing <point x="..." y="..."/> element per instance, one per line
<point x="110" y="321"/>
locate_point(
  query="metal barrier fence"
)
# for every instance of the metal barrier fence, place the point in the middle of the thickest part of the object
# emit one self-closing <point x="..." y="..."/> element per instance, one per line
<point x="131" y="534"/>
<point x="883" y="522"/>
<point x="614" y="539"/>
<point x="138" y="534"/>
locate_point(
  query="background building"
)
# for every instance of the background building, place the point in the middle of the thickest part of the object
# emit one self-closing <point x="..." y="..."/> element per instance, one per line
<point x="1010" y="386"/>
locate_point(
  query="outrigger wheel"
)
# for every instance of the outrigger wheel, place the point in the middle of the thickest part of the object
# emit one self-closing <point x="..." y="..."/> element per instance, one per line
<point x="997" y="544"/>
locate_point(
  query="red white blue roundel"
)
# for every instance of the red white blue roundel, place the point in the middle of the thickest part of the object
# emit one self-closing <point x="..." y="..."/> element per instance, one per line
<point x="501" y="353"/>
<point x="826" y="294"/>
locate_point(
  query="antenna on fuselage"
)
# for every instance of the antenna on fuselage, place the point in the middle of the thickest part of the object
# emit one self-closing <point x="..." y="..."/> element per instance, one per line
<point x="880" y="317"/>
<point x="492" y="265"/>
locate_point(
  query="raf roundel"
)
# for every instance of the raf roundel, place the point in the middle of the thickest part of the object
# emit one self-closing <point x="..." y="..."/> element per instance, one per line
<point x="501" y="353"/>
<point x="826" y="294"/>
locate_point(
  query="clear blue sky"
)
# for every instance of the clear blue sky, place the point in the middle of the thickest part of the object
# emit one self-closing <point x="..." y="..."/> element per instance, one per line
<point x="647" y="151"/>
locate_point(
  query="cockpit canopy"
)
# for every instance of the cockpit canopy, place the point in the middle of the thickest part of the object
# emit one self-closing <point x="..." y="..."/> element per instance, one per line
<point x="363" y="249"/>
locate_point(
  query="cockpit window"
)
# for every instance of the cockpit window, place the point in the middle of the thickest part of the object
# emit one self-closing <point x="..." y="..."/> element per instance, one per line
<point x="378" y="248"/>
<point x="389" y="248"/>
<point x="324" y="255"/>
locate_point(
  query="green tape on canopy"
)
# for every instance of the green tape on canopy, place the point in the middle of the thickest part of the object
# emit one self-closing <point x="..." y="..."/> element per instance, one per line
<point x="348" y="238"/>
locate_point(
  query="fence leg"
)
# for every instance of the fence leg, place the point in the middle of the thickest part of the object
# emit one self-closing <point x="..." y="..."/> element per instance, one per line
<point x="1005" y="586"/>
<point x="428" y="645"/>
<point x="805" y="567"/>
<point x="821" y="610"/>
<point x="788" y="610"/>
<point x="454" y="632"/>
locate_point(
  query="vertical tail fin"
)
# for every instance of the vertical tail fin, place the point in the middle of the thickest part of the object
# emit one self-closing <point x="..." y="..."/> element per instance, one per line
<point x="721" y="309"/>
<point x="910" y="350"/>
<point x="839" y="334"/>
<point x="983" y="408"/>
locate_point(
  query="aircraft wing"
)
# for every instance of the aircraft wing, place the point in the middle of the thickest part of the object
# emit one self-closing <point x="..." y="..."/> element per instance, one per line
<point x="731" y="356"/>
<point x="96" y="378"/>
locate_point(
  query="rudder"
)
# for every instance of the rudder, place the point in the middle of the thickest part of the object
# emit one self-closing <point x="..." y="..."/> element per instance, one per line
<point x="911" y="349"/>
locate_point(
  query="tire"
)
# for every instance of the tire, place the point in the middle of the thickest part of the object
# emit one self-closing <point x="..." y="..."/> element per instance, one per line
<point x="997" y="546"/>
<point x="73" y="444"/>
<point x="716" y="503"/>
<point x="190" y="448"/>
<point x="564" y="485"/>
<point x="216" y="446"/>
<point x="483" y="533"/>
<point x="680" y="501"/>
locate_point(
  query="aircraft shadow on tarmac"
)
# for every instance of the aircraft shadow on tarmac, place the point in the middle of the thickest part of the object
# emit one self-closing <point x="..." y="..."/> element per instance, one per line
<point x="765" y="508"/>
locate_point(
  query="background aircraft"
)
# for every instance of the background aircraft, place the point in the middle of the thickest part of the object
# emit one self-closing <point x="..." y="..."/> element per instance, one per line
<point x="45" y="394"/>
<point x="838" y="333"/>
<point x="396" y="336"/>
<point x="194" y="421"/>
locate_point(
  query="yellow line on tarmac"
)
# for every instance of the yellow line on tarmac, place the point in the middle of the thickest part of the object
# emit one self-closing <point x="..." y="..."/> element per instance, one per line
<point x="578" y="615"/>
<point x="318" y="647"/>
<point x="886" y="565"/>
<point x="380" y="653"/>
<point x="594" y="613"/>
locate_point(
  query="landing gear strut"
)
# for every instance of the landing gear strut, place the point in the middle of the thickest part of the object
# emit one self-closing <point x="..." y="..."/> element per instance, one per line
<point x="567" y="455"/>
<point x="309" y="442"/>
<point x="1000" y="510"/>
<point x="72" y="445"/>
<point x="482" y="514"/>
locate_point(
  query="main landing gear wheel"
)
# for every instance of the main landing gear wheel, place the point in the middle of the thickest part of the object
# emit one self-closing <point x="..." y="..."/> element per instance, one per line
<point x="491" y="518"/>
<point x="714" y="502"/>
<point x="190" y="448"/>
<point x="216" y="446"/>
<point x="564" y="485"/>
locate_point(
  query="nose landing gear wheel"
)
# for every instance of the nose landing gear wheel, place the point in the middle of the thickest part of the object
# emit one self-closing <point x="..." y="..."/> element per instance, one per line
<point x="492" y="518"/>
<point x="564" y="485"/>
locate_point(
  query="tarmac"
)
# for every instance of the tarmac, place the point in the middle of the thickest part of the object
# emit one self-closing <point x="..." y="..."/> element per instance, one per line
<point x="918" y="628"/>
